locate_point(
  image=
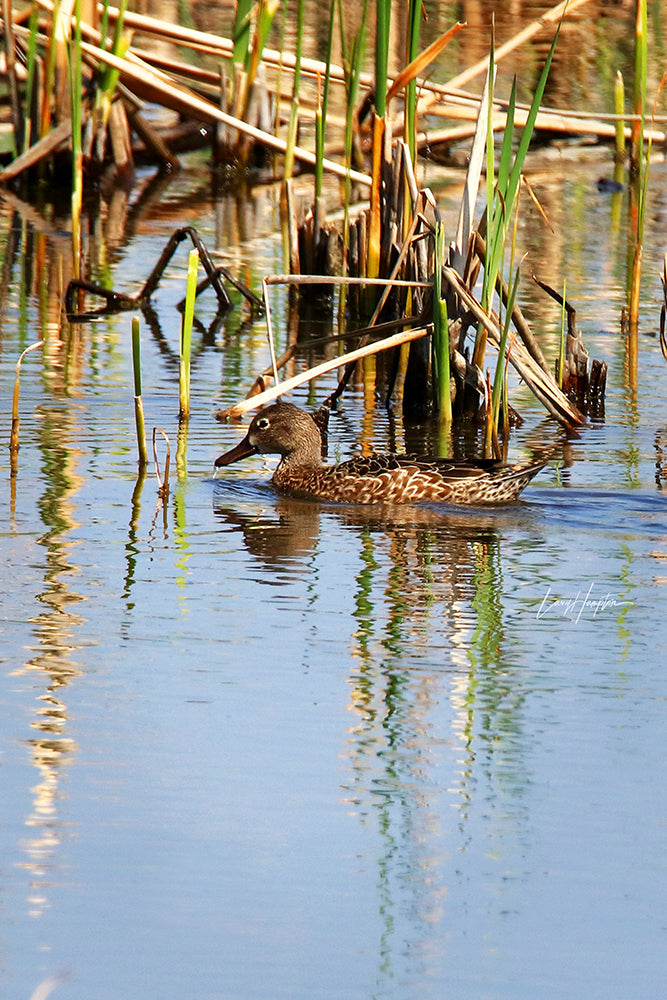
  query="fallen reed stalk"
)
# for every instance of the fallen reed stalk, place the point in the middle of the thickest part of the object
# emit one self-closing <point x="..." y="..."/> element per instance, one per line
<point x="181" y="99"/>
<point x="262" y="398"/>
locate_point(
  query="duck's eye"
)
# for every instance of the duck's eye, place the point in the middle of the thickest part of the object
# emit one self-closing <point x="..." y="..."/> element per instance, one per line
<point x="263" y="424"/>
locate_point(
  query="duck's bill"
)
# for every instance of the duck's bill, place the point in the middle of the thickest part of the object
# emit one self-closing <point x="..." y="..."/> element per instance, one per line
<point x="241" y="450"/>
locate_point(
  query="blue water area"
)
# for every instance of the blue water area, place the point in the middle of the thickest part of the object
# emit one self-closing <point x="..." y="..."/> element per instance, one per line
<point x="270" y="748"/>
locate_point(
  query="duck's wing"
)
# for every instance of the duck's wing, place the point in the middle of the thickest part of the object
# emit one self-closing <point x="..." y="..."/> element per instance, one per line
<point x="446" y="469"/>
<point x="409" y="478"/>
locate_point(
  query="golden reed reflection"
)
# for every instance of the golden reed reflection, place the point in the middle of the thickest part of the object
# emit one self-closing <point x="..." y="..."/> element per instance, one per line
<point x="54" y="627"/>
<point x="39" y="255"/>
<point x="51" y="746"/>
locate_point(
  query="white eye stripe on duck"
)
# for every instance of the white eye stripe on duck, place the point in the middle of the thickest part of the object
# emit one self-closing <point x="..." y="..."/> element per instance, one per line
<point x="263" y="424"/>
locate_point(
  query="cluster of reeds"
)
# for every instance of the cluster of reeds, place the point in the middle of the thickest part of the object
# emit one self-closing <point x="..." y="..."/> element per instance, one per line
<point x="400" y="240"/>
<point x="403" y="286"/>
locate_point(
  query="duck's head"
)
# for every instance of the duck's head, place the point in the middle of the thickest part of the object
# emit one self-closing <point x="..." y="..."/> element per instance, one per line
<point x="281" y="429"/>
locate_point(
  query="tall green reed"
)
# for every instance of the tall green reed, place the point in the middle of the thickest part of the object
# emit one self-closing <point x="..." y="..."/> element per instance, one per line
<point x="138" y="401"/>
<point x="352" y="59"/>
<point x="441" y="348"/>
<point x="502" y="191"/>
<point x="294" y="108"/>
<point x="412" y="48"/>
<point x="380" y="125"/>
<point x="241" y="31"/>
<point x="186" y="335"/>
<point x="638" y="174"/>
<point x="264" y="13"/>
<point x="31" y="77"/>
<point x="322" y="107"/>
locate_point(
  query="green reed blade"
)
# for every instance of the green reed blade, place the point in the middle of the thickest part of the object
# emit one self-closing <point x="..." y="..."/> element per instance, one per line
<point x="186" y="333"/>
<point x="441" y="330"/>
<point x="505" y="161"/>
<point x="382" y="25"/>
<point x="511" y="186"/>
<point x="639" y="89"/>
<point x="619" y="109"/>
<point x="499" y="376"/>
<point x="241" y="31"/>
<point x="500" y="203"/>
<point x="294" y="110"/>
<point x="352" y="66"/>
<point x="108" y="77"/>
<point x="479" y="349"/>
<point x="31" y="61"/>
<point x="321" y="114"/>
<point x="265" y="16"/>
<point x="638" y="167"/>
<point x="138" y="403"/>
<point x="136" y="355"/>
<point x="414" y="15"/>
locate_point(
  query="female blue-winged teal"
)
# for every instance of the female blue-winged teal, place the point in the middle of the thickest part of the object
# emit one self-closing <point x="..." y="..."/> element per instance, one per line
<point x="285" y="430"/>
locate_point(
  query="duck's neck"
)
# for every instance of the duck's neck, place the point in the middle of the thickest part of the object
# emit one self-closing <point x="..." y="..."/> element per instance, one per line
<point x="302" y="458"/>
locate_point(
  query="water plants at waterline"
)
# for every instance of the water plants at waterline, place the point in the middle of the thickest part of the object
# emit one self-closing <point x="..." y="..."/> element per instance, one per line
<point x="399" y="237"/>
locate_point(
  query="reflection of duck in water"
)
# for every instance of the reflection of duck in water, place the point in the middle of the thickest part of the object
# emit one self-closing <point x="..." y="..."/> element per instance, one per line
<point x="285" y="430"/>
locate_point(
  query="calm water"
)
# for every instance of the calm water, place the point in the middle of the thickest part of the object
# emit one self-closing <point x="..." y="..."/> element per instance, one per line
<point x="259" y="748"/>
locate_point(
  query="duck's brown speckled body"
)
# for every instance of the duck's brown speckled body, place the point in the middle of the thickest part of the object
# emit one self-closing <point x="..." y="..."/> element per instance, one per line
<point x="285" y="430"/>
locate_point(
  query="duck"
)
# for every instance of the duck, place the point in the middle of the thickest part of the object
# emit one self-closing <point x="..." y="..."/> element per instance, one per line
<point x="286" y="430"/>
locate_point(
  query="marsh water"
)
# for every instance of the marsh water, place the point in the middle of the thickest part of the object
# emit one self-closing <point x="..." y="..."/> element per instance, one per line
<point x="253" y="747"/>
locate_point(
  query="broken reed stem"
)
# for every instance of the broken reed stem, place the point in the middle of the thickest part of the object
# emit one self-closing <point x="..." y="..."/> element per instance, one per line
<point x="337" y="279"/>
<point x="163" y="484"/>
<point x="138" y="403"/>
<point x="186" y="334"/>
<point x="14" y="434"/>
